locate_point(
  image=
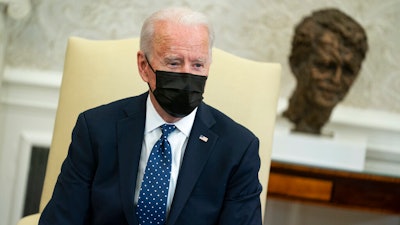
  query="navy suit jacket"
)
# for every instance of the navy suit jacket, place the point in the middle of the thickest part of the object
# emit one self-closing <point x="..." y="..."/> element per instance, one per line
<point x="217" y="184"/>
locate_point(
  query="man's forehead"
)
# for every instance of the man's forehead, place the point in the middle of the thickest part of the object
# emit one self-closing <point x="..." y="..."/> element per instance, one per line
<point x="175" y="46"/>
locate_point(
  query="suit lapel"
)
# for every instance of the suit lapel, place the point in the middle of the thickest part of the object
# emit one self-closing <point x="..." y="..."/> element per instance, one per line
<point x="196" y="155"/>
<point x="130" y="138"/>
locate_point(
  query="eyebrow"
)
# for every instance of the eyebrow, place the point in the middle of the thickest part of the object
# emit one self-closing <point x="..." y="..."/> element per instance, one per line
<point x="202" y="60"/>
<point x="180" y="59"/>
<point x="172" y="57"/>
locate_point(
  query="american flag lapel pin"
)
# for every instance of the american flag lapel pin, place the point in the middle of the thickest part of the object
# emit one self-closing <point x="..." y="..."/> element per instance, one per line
<point x="203" y="138"/>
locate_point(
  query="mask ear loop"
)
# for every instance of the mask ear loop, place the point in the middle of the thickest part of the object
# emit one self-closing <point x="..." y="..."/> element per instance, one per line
<point x="148" y="62"/>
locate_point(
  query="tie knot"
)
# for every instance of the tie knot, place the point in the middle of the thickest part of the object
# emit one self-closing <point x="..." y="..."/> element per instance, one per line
<point x="167" y="129"/>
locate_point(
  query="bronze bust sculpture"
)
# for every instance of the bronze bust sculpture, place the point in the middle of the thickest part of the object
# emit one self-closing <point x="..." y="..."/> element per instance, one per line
<point x="328" y="48"/>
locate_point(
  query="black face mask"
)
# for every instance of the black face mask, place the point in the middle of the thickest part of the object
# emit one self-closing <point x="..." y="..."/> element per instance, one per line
<point x="178" y="93"/>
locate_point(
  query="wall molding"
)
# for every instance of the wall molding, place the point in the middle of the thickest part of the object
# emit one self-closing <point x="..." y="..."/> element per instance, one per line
<point x="30" y="88"/>
<point x="27" y="140"/>
<point x="51" y="81"/>
<point x="28" y="103"/>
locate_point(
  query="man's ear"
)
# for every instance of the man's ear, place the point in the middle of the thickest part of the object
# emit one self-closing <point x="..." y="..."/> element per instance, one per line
<point x="142" y="66"/>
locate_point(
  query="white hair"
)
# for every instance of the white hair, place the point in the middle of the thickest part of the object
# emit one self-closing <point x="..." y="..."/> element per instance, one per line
<point x="179" y="15"/>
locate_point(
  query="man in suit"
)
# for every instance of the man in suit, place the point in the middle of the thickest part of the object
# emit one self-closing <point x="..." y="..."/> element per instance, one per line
<point x="209" y="162"/>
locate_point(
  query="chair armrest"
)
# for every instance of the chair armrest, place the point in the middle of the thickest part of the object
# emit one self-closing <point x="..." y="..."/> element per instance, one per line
<point x="30" y="220"/>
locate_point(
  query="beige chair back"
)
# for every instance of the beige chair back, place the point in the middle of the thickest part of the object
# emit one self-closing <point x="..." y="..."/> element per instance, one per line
<point x="98" y="72"/>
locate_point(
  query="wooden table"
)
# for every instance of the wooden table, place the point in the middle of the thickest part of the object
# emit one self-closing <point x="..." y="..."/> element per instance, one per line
<point x="332" y="187"/>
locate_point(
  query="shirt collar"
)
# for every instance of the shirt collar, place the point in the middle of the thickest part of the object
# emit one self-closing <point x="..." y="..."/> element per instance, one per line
<point x="154" y="120"/>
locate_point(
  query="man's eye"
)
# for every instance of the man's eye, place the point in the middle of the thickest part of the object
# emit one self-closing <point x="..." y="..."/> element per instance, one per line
<point x="173" y="63"/>
<point x="198" y="65"/>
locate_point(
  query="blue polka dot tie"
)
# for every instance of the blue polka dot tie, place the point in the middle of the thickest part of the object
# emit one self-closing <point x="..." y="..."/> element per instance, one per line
<point x="152" y="203"/>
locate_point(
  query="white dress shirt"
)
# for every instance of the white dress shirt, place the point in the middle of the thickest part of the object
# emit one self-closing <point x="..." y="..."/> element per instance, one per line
<point x="178" y="140"/>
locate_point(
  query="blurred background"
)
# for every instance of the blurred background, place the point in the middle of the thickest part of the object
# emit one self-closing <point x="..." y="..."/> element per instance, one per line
<point x="33" y="38"/>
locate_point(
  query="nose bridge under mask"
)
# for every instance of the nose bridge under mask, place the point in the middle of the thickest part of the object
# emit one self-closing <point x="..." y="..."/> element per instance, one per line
<point x="181" y="81"/>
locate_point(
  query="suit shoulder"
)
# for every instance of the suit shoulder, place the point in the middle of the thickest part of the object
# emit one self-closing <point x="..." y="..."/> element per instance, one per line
<point x="115" y="107"/>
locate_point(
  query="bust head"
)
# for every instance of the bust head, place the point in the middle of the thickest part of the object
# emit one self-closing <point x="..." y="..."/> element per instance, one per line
<point x="328" y="48"/>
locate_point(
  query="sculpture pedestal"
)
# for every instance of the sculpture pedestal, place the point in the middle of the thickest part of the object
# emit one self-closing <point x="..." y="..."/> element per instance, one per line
<point x="340" y="151"/>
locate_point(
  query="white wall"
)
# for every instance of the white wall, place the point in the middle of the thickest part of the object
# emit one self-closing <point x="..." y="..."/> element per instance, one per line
<point x="256" y="29"/>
